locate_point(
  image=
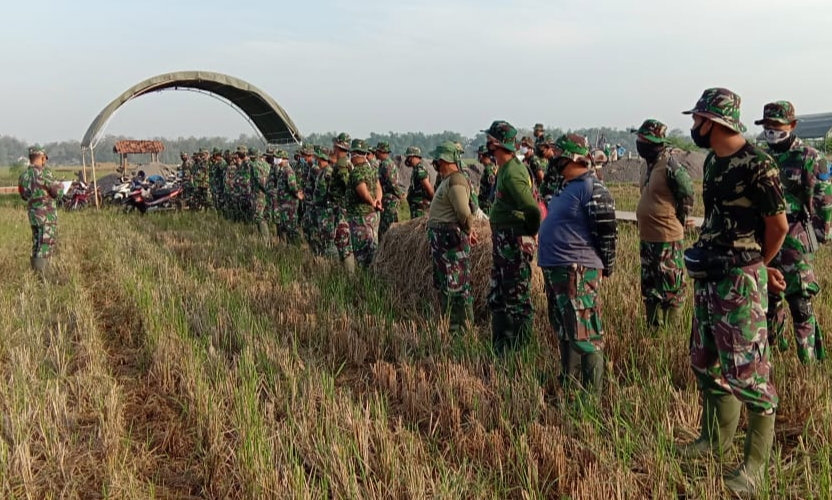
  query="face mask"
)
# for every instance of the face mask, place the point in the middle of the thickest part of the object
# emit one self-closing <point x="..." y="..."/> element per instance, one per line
<point x="648" y="150"/>
<point x="561" y="163"/>
<point x="524" y="150"/>
<point x="702" y="141"/>
<point x="776" y="136"/>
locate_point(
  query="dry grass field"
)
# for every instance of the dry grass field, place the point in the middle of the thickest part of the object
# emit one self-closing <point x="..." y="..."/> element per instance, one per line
<point x="177" y="356"/>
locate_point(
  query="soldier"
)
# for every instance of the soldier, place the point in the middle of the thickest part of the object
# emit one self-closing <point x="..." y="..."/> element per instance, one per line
<point x="392" y="192"/>
<point x="186" y="177"/>
<point x="259" y="190"/>
<point x="363" y="204"/>
<point x="487" y="180"/>
<point x="39" y="189"/>
<point x="799" y="167"/>
<point x="577" y="248"/>
<point x="450" y="232"/>
<point x="663" y="210"/>
<point x="514" y="219"/>
<point x="217" y="175"/>
<point x="539" y="133"/>
<point x="537" y="165"/>
<point x="473" y="199"/>
<point x="230" y="203"/>
<point x="420" y="192"/>
<point x="242" y="184"/>
<point x="306" y="182"/>
<point x="372" y="157"/>
<point x="325" y="208"/>
<point x="745" y="225"/>
<point x="551" y="179"/>
<point x="201" y="181"/>
<point x="288" y="195"/>
<point x="339" y="189"/>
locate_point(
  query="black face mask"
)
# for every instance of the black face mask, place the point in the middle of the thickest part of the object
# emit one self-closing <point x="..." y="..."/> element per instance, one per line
<point x="701" y="140"/>
<point x="649" y="150"/>
<point x="782" y="147"/>
<point x="561" y="162"/>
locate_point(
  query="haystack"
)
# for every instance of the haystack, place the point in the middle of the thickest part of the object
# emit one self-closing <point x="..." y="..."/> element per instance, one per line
<point x="403" y="259"/>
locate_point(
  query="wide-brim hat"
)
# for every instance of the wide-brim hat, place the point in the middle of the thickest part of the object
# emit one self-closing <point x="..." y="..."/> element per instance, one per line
<point x="721" y="106"/>
<point x="778" y="112"/>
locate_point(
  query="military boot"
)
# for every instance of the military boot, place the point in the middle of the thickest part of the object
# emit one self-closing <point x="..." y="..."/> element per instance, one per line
<point x="748" y="478"/>
<point x="457" y="316"/>
<point x="673" y="316"/>
<point x="263" y="228"/>
<point x="40" y="266"/>
<point x="654" y="318"/>
<point x="524" y="330"/>
<point x="349" y="264"/>
<point x="720" y="416"/>
<point x="570" y="366"/>
<point x="592" y="372"/>
<point x="501" y="331"/>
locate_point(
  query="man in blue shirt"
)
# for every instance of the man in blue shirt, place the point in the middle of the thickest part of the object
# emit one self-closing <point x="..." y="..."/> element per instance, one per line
<point x="577" y="248"/>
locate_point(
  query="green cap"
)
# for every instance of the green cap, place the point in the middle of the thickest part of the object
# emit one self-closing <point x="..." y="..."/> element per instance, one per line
<point x="502" y="133"/>
<point x="216" y="151"/>
<point x="573" y="146"/>
<point x="253" y="152"/>
<point x="413" y="151"/>
<point x="342" y="141"/>
<point x="778" y="112"/>
<point x="546" y="140"/>
<point x="242" y="149"/>
<point x="652" y="131"/>
<point x="383" y="147"/>
<point x="721" y="106"/>
<point x="539" y="126"/>
<point x="447" y="151"/>
<point x="359" y="146"/>
<point x="319" y="154"/>
<point x="37" y="150"/>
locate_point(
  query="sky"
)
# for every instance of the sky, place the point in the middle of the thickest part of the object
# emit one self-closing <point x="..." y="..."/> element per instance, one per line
<point x="405" y="65"/>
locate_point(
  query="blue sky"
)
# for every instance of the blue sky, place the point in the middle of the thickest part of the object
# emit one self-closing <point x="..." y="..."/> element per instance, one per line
<point x="407" y="65"/>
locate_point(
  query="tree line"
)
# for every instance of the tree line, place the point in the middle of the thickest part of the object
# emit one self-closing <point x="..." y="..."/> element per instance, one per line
<point x="13" y="151"/>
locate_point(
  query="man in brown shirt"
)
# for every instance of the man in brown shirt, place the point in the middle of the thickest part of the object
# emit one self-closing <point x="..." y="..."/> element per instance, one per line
<point x="665" y="203"/>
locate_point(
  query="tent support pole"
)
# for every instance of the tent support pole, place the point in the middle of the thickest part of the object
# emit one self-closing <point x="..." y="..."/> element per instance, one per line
<point x="94" y="177"/>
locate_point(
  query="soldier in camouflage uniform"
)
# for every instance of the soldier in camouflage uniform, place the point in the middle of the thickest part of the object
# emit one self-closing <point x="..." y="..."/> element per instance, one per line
<point x="450" y="232"/>
<point x="39" y="189"/>
<point x="186" y="177"/>
<point x="745" y="225"/>
<point x="420" y="191"/>
<point x="577" y="248"/>
<point x="242" y="187"/>
<point x="288" y="194"/>
<point x="799" y="167"/>
<point x="487" y="180"/>
<point x="339" y="189"/>
<point x="363" y="204"/>
<point x="217" y="177"/>
<point x="663" y="210"/>
<point x="201" y="194"/>
<point x="259" y="192"/>
<point x="324" y="206"/>
<point x="514" y="220"/>
<point x="310" y="171"/>
<point x="392" y="192"/>
<point x="537" y="165"/>
<point x="229" y="204"/>
<point x="551" y="178"/>
<point x="372" y="157"/>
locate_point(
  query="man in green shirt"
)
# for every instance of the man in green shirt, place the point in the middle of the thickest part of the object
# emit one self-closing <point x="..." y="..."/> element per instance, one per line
<point x="363" y="204"/>
<point x="515" y="219"/>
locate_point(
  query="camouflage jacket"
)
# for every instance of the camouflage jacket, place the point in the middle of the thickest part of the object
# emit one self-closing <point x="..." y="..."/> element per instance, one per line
<point x="339" y="185"/>
<point x="738" y="192"/>
<point x="283" y="183"/>
<point x="259" y="178"/>
<point x="363" y="173"/>
<point x="217" y="172"/>
<point x="488" y="180"/>
<point x="417" y="191"/>
<point x="388" y="175"/>
<point x="200" y="174"/>
<point x="39" y="189"/>
<point x="229" y="177"/>
<point x="242" y="179"/>
<point x="321" y="197"/>
<point x="309" y="181"/>
<point x="186" y="170"/>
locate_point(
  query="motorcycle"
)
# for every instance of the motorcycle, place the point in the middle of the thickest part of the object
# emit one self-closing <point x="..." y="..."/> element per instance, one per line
<point x="118" y="194"/>
<point x="76" y="197"/>
<point x="145" y="199"/>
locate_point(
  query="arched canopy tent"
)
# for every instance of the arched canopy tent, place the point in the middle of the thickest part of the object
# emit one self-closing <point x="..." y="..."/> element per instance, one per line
<point x="264" y="113"/>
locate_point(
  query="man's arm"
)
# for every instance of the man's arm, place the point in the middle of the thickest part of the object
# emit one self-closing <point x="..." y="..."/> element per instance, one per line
<point x="428" y="187"/>
<point x="776" y="227"/>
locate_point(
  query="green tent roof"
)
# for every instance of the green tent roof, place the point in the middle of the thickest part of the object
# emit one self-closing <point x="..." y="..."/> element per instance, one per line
<point x="265" y="113"/>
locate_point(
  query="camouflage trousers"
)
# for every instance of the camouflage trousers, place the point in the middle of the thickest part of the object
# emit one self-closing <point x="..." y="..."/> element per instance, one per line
<point x="309" y="224"/>
<point x="451" y="252"/>
<point x="200" y="198"/>
<point x="418" y="208"/>
<point x="44" y="238"/>
<point x="801" y="286"/>
<point x="341" y="233"/>
<point x="389" y="216"/>
<point x="574" y="306"/>
<point x="327" y="225"/>
<point x="364" y="237"/>
<point x="662" y="273"/>
<point x="217" y="197"/>
<point x="259" y="210"/>
<point x="729" y="350"/>
<point x="511" y="273"/>
<point x="287" y="221"/>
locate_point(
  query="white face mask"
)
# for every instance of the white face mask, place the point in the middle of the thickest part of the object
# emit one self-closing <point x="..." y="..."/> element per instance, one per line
<point x="776" y="136"/>
<point x="524" y="150"/>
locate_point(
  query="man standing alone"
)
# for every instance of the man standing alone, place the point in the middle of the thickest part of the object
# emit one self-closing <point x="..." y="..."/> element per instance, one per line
<point x="39" y="190"/>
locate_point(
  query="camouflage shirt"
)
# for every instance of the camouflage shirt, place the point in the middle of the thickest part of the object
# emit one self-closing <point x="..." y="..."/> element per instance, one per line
<point x="388" y="175"/>
<point x="363" y="173"/>
<point x="200" y="174"/>
<point x="487" y="181"/>
<point x="798" y="170"/>
<point x="186" y="169"/>
<point x="739" y="191"/>
<point x="39" y="189"/>
<point x="339" y="185"/>
<point x="321" y="197"/>
<point x="259" y="178"/>
<point x="417" y="191"/>
<point x="286" y="186"/>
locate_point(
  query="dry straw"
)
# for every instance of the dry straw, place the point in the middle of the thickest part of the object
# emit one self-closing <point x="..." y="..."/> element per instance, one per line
<point x="404" y="260"/>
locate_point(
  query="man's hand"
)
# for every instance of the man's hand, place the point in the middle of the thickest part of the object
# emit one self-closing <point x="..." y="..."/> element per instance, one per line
<point x="776" y="281"/>
<point x="300" y="195"/>
<point x="473" y="239"/>
<point x="690" y="224"/>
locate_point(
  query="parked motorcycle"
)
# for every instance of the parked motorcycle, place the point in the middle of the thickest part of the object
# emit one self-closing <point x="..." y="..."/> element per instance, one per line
<point x="144" y="199"/>
<point x="76" y="196"/>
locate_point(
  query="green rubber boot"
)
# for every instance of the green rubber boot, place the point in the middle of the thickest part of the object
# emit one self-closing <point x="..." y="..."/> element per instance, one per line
<point x="654" y="315"/>
<point x="458" y="315"/>
<point x="592" y="372"/>
<point x="720" y="416"/>
<point x="673" y="316"/>
<point x="39" y="266"/>
<point x="748" y="478"/>
<point x="263" y="228"/>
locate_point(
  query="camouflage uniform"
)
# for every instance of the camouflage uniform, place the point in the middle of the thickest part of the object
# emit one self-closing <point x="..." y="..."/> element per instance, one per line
<point x="487" y="181"/>
<point x="217" y="177"/>
<point x="418" y="199"/>
<point x="39" y="189"/>
<point x="327" y="211"/>
<point x="259" y="192"/>
<point x="798" y="165"/>
<point x="339" y="187"/>
<point x="363" y="217"/>
<point x="308" y="222"/>
<point x="201" y="195"/>
<point x="665" y="204"/>
<point x="514" y="220"/>
<point x="450" y="244"/>
<point x="186" y="176"/>
<point x="388" y="174"/>
<point x="242" y="189"/>
<point x="230" y="208"/>
<point x="285" y="192"/>
<point x="551" y="176"/>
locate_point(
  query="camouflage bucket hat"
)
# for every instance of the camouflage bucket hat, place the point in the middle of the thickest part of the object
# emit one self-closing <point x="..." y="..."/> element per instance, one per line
<point x="37" y="150"/>
<point x="359" y="146"/>
<point x="306" y="150"/>
<point x="720" y="105"/>
<point x="527" y="141"/>
<point x="503" y="133"/>
<point x="778" y="112"/>
<point x="242" y="149"/>
<point x="216" y="151"/>
<point x="447" y="151"/>
<point x="652" y="131"/>
<point x="342" y="141"/>
<point x="539" y="126"/>
<point x="319" y="154"/>
<point x="383" y="147"/>
<point x="546" y="140"/>
<point x="482" y="150"/>
<point x="413" y="151"/>
<point x="283" y="155"/>
<point x="573" y="146"/>
<point x="253" y="152"/>
<point x="270" y="151"/>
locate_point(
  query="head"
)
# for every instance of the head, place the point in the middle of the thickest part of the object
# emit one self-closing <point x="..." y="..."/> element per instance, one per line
<point x="716" y="117"/>
<point x="37" y="156"/>
<point x="358" y="151"/>
<point x="571" y="155"/>
<point x="446" y="158"/>
<point x="383" y="150"/>
<point x="413" y="156"/>
<point x="651" y="139"/>
<point x="546" y="147"/>
<point x="539" y="130"/>
<point x="779" y="122"/>
<point x="501" y="137"/>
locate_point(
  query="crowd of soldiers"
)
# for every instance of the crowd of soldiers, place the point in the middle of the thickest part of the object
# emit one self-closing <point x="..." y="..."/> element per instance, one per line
<point x="766" y="211"/>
